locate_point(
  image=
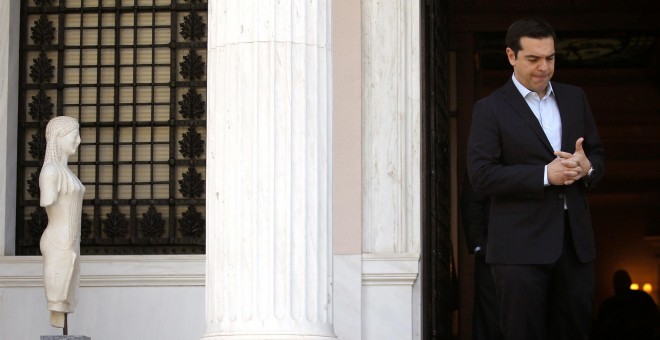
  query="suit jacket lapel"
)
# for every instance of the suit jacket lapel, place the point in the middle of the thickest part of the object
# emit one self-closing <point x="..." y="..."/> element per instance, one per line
<point x="519" y="104"/>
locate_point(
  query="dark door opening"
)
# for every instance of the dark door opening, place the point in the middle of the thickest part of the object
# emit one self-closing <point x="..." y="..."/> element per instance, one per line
<point x="439" y="292"/>
<point x="614" y="55"/>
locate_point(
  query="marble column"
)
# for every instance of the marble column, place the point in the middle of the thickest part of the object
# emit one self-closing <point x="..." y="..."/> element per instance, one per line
<point x="269" y="264"/>
<point x="391" y="139"/>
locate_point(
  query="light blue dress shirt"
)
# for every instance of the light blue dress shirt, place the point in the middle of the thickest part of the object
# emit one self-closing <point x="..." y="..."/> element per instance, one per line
<point x="547" y="112"/>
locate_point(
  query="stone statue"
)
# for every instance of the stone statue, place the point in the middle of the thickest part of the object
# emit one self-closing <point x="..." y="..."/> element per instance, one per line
<point x="61" y="193"/>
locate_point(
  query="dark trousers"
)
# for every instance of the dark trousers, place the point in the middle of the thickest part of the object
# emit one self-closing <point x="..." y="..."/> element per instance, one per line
<point x="546" y="301"/>
<point x="486" y="317"/>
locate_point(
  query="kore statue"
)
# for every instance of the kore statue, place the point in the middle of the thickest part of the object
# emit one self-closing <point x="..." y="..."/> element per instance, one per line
<point x="61" y="194"/>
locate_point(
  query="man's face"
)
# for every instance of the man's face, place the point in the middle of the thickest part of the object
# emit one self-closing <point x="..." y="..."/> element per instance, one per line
<point x="535" y="63"/>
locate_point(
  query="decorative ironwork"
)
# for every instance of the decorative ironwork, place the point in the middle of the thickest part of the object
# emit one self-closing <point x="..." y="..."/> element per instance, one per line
<point x="115" y="225"/>
<point x="192" y="67"/>
<point x="38" y="222"/>
<point x="191" y="224"/>
<point x="140" y="158"/>
<point x="193" y="27"/>
<point x="33" y="184"/>
<point x="192" y="144"/>
<point x="152" y="224"/>
<point x="41" y="107"/>
<point x="192" y="184"/>
<point x="43" y="32"/>
<point x="44" y="3"/>
<point x="85" y="227"/>
<point x="42" y="69"/>
<point x="38" y="145"/>
<point x="192" y="106"/>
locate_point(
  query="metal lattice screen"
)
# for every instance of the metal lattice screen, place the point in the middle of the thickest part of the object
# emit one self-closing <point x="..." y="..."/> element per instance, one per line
<point x="439" y="274"/>
<point x="133" y="73"/>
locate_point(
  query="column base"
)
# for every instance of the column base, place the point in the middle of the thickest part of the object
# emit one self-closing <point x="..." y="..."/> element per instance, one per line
<point x="65" y="337"/>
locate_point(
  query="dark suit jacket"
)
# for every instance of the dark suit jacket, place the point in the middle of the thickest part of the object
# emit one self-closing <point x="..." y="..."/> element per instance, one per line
<point x="474" y="210"/>
<point x="507" y="153"/>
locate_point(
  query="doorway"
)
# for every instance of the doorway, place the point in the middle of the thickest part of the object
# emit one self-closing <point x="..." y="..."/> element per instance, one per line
<point x="612" y="53"/>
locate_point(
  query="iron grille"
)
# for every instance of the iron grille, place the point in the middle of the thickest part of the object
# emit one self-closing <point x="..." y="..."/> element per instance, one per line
<point x="133" y="73"/>
<point x="439" y="284"/>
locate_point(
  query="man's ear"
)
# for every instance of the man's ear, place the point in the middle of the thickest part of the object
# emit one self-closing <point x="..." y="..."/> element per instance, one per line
<point x="511" y="55"/>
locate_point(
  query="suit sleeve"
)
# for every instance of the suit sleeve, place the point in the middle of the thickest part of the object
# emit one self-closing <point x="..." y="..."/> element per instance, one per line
<point x="474" y="213"/>
<point x="498" y="163"/>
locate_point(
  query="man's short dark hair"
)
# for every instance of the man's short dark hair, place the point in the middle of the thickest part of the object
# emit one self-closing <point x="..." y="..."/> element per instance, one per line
<point x="529" y="27"/>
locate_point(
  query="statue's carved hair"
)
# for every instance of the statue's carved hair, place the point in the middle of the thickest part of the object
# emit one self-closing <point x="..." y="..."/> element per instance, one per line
<point x="58" y="127"/>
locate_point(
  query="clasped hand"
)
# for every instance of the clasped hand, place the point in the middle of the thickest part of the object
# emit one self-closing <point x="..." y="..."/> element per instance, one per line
<point x="568" y="168"/>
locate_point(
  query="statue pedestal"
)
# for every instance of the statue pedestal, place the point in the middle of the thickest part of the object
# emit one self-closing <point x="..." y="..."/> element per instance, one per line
<point x="65" y="337"/>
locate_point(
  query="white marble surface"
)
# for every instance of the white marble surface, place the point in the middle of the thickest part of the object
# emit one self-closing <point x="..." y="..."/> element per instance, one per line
<point x="121" y="297"/>
<point x="391" y="126"/>
<point x="391" y="294"/>
<point x="109" y="313"/>
<point x="269" y="144"/>
<point x="390" y="269"/>
<point x="347" y="296"/>
<point x="111" y="271"/>
<point x="389" y="307"/>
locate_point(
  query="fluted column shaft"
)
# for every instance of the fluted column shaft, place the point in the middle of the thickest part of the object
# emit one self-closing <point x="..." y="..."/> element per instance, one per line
<point x="269" y="254"/>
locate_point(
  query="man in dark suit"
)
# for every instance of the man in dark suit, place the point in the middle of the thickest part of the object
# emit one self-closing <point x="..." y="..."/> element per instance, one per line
<point x="486" y="315"/>
<point x="535" y="150"/>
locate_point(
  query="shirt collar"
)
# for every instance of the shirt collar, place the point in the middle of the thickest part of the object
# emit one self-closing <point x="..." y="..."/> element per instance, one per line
<point x="525" y="91"/>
